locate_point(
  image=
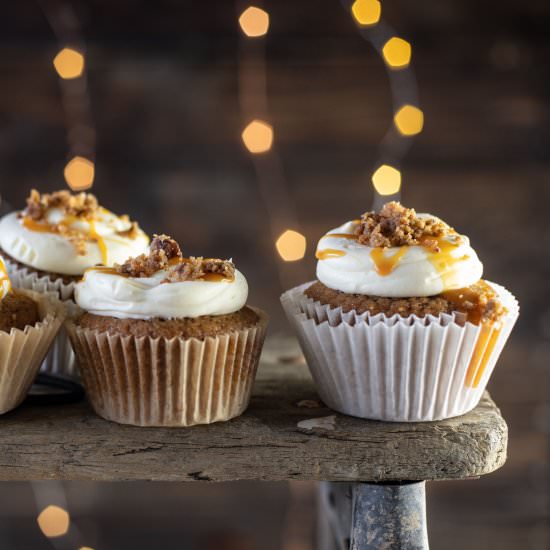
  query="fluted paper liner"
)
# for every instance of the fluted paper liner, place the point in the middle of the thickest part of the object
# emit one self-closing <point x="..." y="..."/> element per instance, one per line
<point x="60" y="360"/>
<point x="22" y="351"/>
<point x="393" y="368"/>
<point x="168" y="382"/>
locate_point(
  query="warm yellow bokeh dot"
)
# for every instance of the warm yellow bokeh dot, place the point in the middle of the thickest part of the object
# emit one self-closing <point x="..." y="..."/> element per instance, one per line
<point x="291" y="246"/>
<point x="366" y="12"/>
<point x="409" y="120"/>
<point x="258" y="136"/>
<point x="79" y="173"/>
<point x="254" y="22"/>
<point x="397" y="53"/>
<point x="85" y="548"/>
<point x="53" y="521"/>
<point x="69" y="63"/>
<point x="387" y="180"/>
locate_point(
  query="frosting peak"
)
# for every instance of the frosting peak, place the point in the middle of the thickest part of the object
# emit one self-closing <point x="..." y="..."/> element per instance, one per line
<point x="396" y="253"/>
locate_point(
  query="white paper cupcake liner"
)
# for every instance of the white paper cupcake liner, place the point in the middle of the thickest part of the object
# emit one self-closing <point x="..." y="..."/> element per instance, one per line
<point x="394" y="368"/>
<point x="159" y="382"/>
<point x="60" y="360"/>
<point x="22" y="351"/>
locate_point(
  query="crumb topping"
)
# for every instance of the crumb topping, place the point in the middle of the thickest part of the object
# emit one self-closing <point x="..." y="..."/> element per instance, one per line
<point x="81" y="205"/>
<point x="165" y="254"/>
<point x="395" y="225"/>
<point x="192" y="269"/>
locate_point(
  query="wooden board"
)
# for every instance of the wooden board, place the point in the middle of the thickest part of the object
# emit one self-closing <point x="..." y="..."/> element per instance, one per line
<point x="285" y="434"/>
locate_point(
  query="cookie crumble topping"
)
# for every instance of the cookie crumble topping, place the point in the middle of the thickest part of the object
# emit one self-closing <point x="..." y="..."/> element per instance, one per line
<point x="165" y="254"/>
<point x="394" y="225"/>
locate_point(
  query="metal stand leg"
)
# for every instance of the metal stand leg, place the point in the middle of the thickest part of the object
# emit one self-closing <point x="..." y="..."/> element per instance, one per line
<point x="371" y="516"/>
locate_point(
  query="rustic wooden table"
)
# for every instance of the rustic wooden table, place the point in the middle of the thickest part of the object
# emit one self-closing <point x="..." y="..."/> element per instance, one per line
<point x="286" y="434"/>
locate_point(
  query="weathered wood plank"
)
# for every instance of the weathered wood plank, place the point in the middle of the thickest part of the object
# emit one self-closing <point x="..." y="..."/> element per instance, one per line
<point x="266" y="443"/>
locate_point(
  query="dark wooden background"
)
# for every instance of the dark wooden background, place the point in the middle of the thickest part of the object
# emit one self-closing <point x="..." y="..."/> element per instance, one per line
<point x="164" y="95"/>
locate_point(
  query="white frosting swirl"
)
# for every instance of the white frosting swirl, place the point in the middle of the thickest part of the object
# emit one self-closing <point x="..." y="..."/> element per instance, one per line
<point x="114" y="295"/>
<point x="54" y="253"/>
<point x="417" y="271"/>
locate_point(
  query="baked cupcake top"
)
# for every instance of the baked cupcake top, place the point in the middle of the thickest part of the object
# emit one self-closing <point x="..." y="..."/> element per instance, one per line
<point x="396" y="253"/>
<point x="67" y="233"/>
<point x="163" y="284"/>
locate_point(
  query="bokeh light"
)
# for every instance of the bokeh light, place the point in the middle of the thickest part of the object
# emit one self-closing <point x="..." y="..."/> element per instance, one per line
<point x="386" y="180"/>
<point x="79" y="173"/>
<point x="53" y="521"/>
<point x="409" y="120"/>
<point x="397" y="53"/>
<point x="69" y="63"/>
<point x="258" y="136"/>
<point x="254" y="22"/>
<point x="366" y="12"/>
<point x="291" y="246"/>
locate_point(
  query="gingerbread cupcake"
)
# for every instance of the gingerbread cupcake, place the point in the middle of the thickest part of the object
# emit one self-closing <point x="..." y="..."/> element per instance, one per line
<point x="29" y="322"/>
<point x="48" y="246"/>
<point x="163" y="340"/>
<point x="400" y="325"/>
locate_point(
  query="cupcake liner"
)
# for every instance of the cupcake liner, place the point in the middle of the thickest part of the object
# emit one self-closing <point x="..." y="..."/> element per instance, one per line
<point x="168" y="382"/>
<point x="393" y="368"/>
<point x="22" y="351"/>
<point x="60" y="360"/>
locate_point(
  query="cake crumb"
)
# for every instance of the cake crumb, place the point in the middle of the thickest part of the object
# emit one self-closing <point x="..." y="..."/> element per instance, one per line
<point x="395" y="225"/>
<point x="193" y="269"/>
<point x="165" y="254"/>
<point x="83" y="205"/>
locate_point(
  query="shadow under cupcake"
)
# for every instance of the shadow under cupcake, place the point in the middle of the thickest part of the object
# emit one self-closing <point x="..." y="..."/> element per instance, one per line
<point x="399" y="325"/>
<point x="164" y="340"/>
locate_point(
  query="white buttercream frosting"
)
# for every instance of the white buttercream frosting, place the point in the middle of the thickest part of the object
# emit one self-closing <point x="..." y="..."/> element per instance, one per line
<point x="418" y="272"/>
<point x="54" y="253"/>
<point x="113" y="295"/>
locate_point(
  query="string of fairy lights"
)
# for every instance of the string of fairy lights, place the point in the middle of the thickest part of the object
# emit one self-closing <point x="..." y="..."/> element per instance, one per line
<point x="70" y="65"/>
<point x="258" y="134"/>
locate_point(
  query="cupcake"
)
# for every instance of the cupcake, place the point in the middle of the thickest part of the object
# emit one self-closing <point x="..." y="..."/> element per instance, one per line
<point x="400" y="325"/>
<point x="163" y="340"/>
<point x="48" y="246"/>
<point x="29" y="322"/>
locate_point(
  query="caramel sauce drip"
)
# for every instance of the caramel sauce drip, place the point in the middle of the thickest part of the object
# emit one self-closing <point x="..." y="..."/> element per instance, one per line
<point x="4" y="277"/>
<point x="384" y="264"/>
<point x="208" y="277"/>
<point x="93" y="235"/>
<point x="461" y="296"/>
<point x="100" y="242"/>
<point x="350" y="236"/>
<point x="486" y="341"/>
<point x="329" y="253"/>
<point x="106" y="270"/>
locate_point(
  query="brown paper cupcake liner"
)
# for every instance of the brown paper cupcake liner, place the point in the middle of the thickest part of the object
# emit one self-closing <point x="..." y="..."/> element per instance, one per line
<point x="177" y="382"/>
<point x="60" y="359"/>
<point x="22" y="351"/>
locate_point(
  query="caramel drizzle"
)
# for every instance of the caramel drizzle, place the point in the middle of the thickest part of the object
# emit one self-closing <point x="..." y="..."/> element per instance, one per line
<point x="486" y="341"/>
<point x="208" y="277"/>
<point x="32" y="225"/>
<point x="5" y="282"/>
<point x="327" y="253"/>
<point x="384" y="264"/>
